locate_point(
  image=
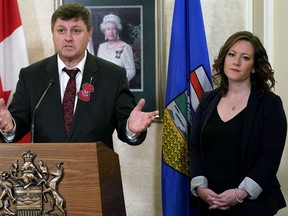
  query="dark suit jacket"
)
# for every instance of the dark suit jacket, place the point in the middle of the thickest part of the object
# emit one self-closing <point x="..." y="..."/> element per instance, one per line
<point x="264" y="135"/>
<point x="109" y="106"/>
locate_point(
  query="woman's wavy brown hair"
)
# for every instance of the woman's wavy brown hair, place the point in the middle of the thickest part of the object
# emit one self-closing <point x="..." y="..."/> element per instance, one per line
<point x="263" y="78"/>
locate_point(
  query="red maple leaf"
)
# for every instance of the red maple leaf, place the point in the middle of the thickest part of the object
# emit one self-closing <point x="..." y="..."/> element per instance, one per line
<point x="4" y="94"/>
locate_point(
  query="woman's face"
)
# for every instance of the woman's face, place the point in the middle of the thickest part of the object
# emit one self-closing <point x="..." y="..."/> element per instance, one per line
<point x="239" y="61"/>
<point x="110" y="31"/>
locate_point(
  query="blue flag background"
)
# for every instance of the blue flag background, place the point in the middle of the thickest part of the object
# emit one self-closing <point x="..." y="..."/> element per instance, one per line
<point x="188" y="77"/>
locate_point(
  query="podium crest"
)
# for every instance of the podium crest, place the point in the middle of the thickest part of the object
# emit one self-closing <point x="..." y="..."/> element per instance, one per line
<point x="25" y="188"/>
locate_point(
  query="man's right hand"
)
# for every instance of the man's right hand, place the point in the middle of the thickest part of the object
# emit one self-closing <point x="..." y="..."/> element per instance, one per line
<point x="6" y="122"/>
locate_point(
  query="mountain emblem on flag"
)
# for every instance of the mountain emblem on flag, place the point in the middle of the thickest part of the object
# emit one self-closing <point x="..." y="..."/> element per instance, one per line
<point x="25" y="188"/>
<point x="175" y="134"/>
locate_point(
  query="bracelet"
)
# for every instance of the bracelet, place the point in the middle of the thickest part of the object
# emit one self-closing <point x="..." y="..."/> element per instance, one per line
<point x="238" y="200"/>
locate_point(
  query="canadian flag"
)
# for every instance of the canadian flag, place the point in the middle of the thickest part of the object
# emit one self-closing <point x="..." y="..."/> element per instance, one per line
<point x="13" y="52"/>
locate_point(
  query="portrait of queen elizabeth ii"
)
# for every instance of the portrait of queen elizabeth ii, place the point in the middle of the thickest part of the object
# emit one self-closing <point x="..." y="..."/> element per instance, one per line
<point x="114" y="49"/>
<point x="117" y="38"/>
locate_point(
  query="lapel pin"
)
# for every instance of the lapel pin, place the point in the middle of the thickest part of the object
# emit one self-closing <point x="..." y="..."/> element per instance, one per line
<point x="84" y="94"/>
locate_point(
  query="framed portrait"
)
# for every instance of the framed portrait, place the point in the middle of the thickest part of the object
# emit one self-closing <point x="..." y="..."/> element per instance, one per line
<point x="139" y="32"/>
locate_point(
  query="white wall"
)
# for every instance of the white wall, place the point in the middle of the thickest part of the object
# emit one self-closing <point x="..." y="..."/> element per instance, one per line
<point x="141" y="165"/>
<point x="281" y="66"/>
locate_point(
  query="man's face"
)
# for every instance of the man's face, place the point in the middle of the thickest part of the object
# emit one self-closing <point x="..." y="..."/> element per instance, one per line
<point x="70" y="39"/>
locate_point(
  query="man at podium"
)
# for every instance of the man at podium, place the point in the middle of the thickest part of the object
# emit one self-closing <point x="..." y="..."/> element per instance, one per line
<point x="98" y="101"/>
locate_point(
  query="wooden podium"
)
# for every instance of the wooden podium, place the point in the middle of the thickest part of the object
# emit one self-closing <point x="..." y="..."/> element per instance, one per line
<point x="91" y="184"/>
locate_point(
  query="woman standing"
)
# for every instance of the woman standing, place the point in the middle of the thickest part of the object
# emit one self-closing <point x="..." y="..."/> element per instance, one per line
<point x="238" y="135"/>
<point x="114" y="49"/>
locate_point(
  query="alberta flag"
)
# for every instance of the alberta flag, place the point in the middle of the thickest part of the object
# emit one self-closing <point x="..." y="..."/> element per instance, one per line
<point x="189" y="76"/>
<point x="13" y="52"/>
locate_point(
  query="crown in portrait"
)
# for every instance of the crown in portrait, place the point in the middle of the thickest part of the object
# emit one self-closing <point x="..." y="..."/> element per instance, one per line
<point x="111" y="18"/>
<point x="28" y="156"/>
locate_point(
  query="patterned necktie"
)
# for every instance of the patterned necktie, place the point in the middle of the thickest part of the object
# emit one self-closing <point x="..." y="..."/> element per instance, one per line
<point x="69" y="98"/>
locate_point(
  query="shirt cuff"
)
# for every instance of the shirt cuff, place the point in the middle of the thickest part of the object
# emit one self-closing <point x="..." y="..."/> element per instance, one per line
<point x="251" y="187"/>
<point x="198" y="181"/>
<point x="130" y="134"/>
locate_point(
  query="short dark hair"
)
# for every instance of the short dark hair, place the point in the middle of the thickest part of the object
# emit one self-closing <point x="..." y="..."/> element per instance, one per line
<point x="70" y="11"/>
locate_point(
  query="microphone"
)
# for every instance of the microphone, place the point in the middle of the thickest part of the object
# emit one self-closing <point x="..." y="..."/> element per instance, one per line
<point x="35" y="109"/>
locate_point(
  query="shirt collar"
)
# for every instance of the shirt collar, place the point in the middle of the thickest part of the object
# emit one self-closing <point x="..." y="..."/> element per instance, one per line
<point x="80" y="66"/>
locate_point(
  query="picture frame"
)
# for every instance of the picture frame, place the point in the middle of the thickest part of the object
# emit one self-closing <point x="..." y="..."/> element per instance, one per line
<point x="141" y="28"/>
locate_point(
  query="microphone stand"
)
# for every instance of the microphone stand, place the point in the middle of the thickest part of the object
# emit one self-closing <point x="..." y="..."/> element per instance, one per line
<point x="35" y="109"/>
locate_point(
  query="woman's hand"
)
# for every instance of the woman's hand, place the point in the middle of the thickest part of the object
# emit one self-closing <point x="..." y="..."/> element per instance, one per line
<point x="209" y="197"/>
<point x="229" y="197"/>
<point x="221" y="201"/>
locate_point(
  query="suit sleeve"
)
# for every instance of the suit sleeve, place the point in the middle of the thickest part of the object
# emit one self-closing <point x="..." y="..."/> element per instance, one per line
<point x="19" y="108"/>
<point x="267" y="141"/>
<point x="124" y="105"/>
<point x="194" y="144"/>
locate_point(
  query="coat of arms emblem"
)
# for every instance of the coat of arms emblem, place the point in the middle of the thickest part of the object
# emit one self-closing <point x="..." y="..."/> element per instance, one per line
<point x="25" y="188"/>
